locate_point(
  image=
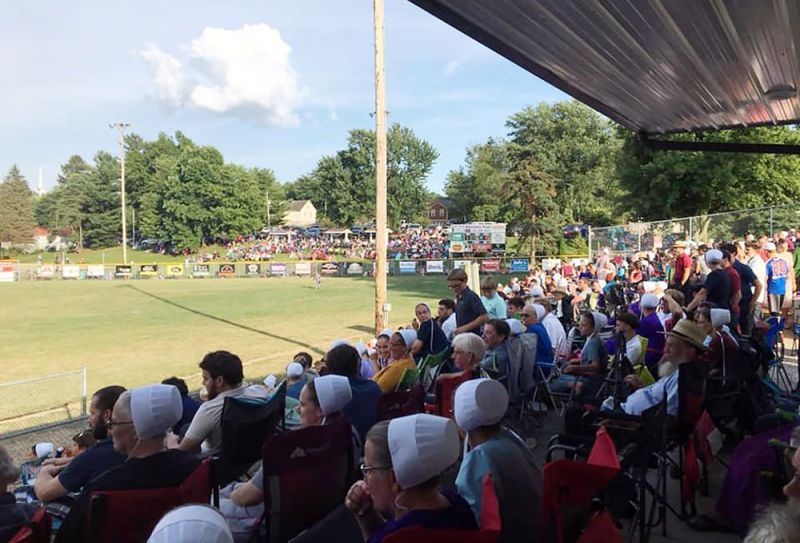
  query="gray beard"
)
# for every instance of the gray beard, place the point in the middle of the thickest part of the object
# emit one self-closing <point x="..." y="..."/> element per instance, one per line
<point x="666" y="368"/>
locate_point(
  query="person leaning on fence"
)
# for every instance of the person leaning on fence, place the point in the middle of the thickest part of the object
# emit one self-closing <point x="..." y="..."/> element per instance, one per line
<point x="400" y="346"/>
<point x="13" y="515"/>
<point x="138" y="426"/>
<point x="60" y="476"/>
<point x="404" y="460"/>
<point x="470" y="312"/>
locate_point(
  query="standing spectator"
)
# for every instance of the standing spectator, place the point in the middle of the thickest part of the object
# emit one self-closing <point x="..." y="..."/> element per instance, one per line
<point x="447" y="317"/>
<point x="784" y="254"/>
<point x="681" y="267"/>
<point x="470" y="313"/>
<point x="750" y="289"/>
<point x="495" y="305"/>
<point x="717" y="287"/>
<point x="759" y="267"/>
<point x="777" y="274"/>
<point x="190" y="405"/>
<point x="736" y="285"/>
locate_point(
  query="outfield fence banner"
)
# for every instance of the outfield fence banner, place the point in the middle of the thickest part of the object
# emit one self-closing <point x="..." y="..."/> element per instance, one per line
<point x="434" y="266"/>
<point x="226" y="270"/>
<point x="355" y="268"/>
<point x="96" y="271"/>
<point x="123" y="271"/>
<point x="70" y="271"/>
<point x="148" y="270"/>
<point x="252" y="269"/>
<point x="41" y="402"/>
<point x="519" y="265"/>
<point x="8" y="272"/>
<point x="46" y="271"/>
<point x="302" y="268"/>
<point x="277" y="269"/>
<point x="407" y="266"/>
<point x="492" y="266"/>
<point x="174" y="270"/>
<point x="201" y="270"/>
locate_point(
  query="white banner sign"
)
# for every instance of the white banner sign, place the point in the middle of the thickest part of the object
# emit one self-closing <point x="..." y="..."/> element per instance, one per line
<point x="71" y="271"/>
<point x="434" y="266"/>
<point x="302" y="268"/>
<point x="96" y="270"/>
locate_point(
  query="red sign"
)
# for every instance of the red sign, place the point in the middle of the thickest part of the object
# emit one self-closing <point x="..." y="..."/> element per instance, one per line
<point x="490" y="265"/>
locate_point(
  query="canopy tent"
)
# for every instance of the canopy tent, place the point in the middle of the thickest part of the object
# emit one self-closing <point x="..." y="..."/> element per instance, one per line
<point x="654" y="66"/>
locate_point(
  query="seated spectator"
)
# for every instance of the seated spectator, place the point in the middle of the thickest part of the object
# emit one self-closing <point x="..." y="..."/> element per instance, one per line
<point x="400" y="347"/>
<point x="365" y="369"/>
<point x="305" y="360"/>
<point x="192" y="524"/>
<point x="362" y="411"/>
<point x="430" y="338"/>
<point x="532" y="317"/>
<point x="138" y="425"/>
<point x="652" y="330"/>
<point x="190" y="405"/>
<point x="404" y="460"/>
<point x="555" y="330"/>
<point x="60" y="476"/>
<point x="515" y="306"/>
<point x="80" y="443"/>
<point x="447" y="317"/>
<point x="584" y="374"/>
<point x="468" y="351"/>
<point x="13" y="515"/>
<point x="380" y="358"/>
<point x="626" y="324"/>
<point x="480" y="406"/>
<point x="495" y="359"/>
<point x="222" y="377"/>
<point x="295" y="379"/>
<point x="495" y="305"/>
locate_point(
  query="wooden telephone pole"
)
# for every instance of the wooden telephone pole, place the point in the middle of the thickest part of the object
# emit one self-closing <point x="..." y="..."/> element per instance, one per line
<point x="380" y="172"/>
<point x="121" y="127"/>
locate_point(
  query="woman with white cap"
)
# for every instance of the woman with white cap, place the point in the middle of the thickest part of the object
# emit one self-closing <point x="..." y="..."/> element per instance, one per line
<point x="720" y="343"/>
<point x="382" y="355"/>
<point x="585" y="374"/>
<point x="404" y="459"/>
<point x="321" y="400"/>
<point x="138" y="427"/>
<point x="192" y="524"/>
<point x="296" y="379"/>
<point x="480" y="406"/>
<point x="400" y="348"/>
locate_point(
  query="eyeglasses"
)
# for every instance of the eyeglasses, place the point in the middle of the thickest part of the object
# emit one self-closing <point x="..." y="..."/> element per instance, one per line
<point x="366" y="469"/>
<point x="110" y="423"/>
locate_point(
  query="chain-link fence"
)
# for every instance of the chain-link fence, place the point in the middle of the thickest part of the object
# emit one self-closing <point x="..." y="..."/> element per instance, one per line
<point x="32" y="404"/>
<point x="650" y="236"/>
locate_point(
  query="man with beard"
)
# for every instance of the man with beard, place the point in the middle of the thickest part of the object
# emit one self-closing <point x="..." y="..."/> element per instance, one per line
<point x="60" y="476"/>
<point x="222" y="377"/>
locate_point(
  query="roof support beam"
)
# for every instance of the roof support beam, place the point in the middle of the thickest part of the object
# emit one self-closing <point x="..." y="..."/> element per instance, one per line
<point x="719" y="146"/>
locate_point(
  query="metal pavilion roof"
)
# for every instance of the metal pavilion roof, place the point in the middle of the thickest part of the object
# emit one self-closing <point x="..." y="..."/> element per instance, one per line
<point x="654" y="66"/>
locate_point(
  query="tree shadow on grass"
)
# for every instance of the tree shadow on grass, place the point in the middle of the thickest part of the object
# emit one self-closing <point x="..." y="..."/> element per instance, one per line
<point x="225" y="321"/>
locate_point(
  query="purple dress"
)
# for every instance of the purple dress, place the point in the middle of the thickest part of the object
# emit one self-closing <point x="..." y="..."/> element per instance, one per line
<point x="650" y="327"/>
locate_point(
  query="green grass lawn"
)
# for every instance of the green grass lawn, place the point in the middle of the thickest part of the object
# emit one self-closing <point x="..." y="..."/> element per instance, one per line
<point x="137" y="332"/>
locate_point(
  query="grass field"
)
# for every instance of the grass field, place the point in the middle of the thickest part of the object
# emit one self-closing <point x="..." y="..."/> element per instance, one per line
<point x="137" y="332"/>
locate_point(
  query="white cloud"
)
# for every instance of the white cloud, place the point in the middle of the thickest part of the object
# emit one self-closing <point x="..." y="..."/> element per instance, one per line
<point x="452" y="67"/>
<point x="244" y="72"/>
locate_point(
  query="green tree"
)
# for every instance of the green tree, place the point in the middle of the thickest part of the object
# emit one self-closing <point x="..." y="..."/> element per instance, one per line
<point x="62" y="208"/>
<point x="474" y="188"/>
<point x="16" y="209"/>
<point x="100" y="205"/>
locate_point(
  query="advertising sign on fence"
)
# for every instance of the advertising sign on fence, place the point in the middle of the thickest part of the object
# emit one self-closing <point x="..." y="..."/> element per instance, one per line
<point x="490" y="266"/>
<point x="302" y="268"/>
<point x="201" y="270"/>
<point x="478" y="237"/>
<point x="518" y="265"/>
<point x="460" y="264"/>
<point x="148" y="270"/>
<point x="252" y="269"/>
<point x="434" y="266"/>
<point x="46" y="271"/>
<point x="70" y="271"/>
<point x="96" y="270"/>
<point x="550" y="263"/>
<point x="175" y="270"/>
<point x="408" y="266"/>
<point x="277" y="269"/>
<point x="355" y="269"/>
<point x="330" y="268"/>
<point x="6" y="272"/>
<point x="226" y="270"/>
<point x="123" y="271"/>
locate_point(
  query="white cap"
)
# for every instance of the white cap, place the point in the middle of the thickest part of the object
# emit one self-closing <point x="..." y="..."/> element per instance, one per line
<point x="361" y="347"/>
<point x="649" y="286"/>
<point x="649" y="301"/>
<point x="480" y="402"/>
<point x="516" y="327"/>
<point x="333" y="393"/>
<point x="409" y="336"/>
<point x="600" y="321"/>
<point x="540" y="311"/>
<point x="421" y="447"/>
<point x="714" y="256"/>
<point x="719" y="317"/>
<point x="336" y="342"/>
<point x="294" y="369"/>
<point x="662" y="285"/>
<point x="768" y="246"/>
<point x="155" y="409"/>
<point x="192" y="524"/>
<point x="386" y="332"/>
<point x="43" y="450"/>
<point x="270" y="380"/>
<point x="537" y="292"/>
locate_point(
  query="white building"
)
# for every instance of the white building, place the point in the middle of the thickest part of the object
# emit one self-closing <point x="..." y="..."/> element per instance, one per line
<point x="301" y="213"/>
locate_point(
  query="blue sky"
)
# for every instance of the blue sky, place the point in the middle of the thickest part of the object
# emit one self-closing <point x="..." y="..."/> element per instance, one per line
<point x="270" y="83"/>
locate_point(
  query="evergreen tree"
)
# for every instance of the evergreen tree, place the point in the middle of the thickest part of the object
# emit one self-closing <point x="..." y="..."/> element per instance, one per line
<point x="16" y="209"/>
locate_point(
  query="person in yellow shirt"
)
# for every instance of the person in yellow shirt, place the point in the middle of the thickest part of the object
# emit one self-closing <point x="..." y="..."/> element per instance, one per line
<point x="400" y="348"/>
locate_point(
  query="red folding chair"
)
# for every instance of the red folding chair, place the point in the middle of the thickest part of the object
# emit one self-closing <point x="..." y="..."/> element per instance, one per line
<point x="392" y="405"/>
<point x="444" y="391"/>
<point x="38" y="529"/>
<point x="426" y="535"/>
<point x="306" y="476"/>
<point x="129" y="516"/>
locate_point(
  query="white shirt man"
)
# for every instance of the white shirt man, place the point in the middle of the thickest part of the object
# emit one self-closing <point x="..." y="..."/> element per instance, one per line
<point x="555" y="331"/>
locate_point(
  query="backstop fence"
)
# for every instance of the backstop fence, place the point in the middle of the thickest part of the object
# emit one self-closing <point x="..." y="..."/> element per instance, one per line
<point x="32" y="404"/>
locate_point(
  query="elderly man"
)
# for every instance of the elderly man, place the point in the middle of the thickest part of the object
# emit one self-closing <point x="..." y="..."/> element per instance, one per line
<point x="717" y="287"/>
<point x="138" y="425"/>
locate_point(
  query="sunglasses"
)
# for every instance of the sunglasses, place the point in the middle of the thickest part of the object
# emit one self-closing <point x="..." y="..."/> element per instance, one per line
<point x="366" y="469"/>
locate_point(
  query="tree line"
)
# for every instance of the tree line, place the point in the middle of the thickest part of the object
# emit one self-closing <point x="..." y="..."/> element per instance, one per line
<point x="559" y="163"/>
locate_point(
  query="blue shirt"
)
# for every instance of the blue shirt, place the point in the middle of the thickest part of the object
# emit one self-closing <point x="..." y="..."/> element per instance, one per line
<point x="544" y="349"/>
<point x="362" y="410"/>
<point x="293" y="390"/>
<point x="651" y="395"/>
<point x="777" y="271"/>
<point x="432" y="337"/>
<point x="95" y="460"/>
<point x="190" y="407"/>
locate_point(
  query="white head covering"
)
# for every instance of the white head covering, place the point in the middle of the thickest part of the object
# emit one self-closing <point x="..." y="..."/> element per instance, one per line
<point x="192" y="524"/>
<point x="155" y="409"/>
<point x="537" y="292"/>
<point x="713" y="256"/>
<point x="540" y="311"/>
<point x="361" y="347"/>
<point x="719" y="317"/>
<point x="649" y="301"/>
<point x="336" y="342"/>
<point x="386" y="332"/>
<point x="333" y="393"/>
<point x="294" y="369"/>
<point x="408" y="335"/>
<point x="480" y="402"/>
<point x="516" y="327"/>
<point x="43" y="450"/>
<point x="662" y="285"/>
<point x="270" y="380"/>
<point x="768" y="246"/>
<point x="600" y="321"/>
<point x="649" y="286"/>
<point x="421" y="447"/>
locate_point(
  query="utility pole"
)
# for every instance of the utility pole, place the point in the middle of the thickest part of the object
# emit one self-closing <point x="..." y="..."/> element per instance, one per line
<point x="121" y="127"/>
<point x="380" y="171"/>
<point x="269" y="217"/>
